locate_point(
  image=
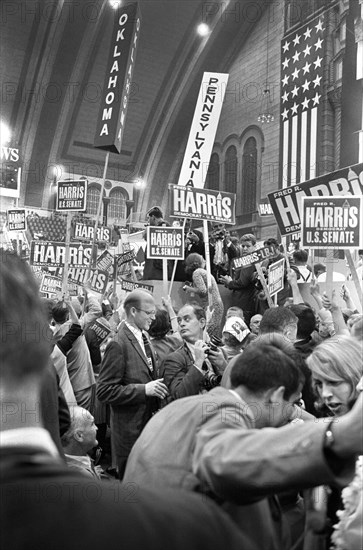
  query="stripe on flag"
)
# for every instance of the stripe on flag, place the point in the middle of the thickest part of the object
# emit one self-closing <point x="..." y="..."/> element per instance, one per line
<point x="302" y="60"/>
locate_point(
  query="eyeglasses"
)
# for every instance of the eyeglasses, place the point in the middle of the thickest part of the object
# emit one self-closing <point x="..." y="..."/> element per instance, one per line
<point x="149" y="313"/>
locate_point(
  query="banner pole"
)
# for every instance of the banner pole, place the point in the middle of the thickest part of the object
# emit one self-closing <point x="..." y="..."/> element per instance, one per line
<point x="66" y="255"/>
<point x="176" y="263"/>
<point x="98" y="215"/>
<point x="207" y="262"/>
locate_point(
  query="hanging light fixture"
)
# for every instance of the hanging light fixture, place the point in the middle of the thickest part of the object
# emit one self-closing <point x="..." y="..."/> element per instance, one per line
<point x="265" y="115"/>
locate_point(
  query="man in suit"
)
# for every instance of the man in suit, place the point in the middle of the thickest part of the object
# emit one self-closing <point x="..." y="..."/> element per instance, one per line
<point x="43" y="503"/>
<point x="233" y="445"/>
<point x="127" y="380"/>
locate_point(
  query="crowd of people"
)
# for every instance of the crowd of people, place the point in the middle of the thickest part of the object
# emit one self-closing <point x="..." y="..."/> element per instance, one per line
<point x="238" y="428"/>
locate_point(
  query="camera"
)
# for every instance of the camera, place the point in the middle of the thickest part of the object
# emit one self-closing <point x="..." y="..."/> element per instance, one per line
<point x="211" y="380"/>
<point x="214" y="343"/>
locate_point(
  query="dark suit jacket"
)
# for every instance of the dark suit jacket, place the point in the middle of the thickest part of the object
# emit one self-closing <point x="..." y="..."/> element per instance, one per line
<point x="121" y="384"/>
<point x="179" y="374"/>
<point x="46" y="505"/>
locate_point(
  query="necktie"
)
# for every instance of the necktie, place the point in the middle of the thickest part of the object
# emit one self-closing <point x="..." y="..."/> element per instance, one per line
<point x="148" y="352"/>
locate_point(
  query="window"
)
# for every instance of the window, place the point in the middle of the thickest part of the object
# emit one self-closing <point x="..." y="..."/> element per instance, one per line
<point x="249" y="176"/>
<point x="297" y="11"/>
<point x="117" y="207"/>
<point x="230" y="170"/>
<point x="212" y="180"/>
<point x="93" y="196"/>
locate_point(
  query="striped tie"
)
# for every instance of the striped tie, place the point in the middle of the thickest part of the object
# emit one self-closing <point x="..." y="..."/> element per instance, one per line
<point x="148" y="352"/>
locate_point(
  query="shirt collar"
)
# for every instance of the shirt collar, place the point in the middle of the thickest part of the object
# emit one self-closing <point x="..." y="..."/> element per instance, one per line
<point x="85" y="460"/>
<point x="236" y="394"/>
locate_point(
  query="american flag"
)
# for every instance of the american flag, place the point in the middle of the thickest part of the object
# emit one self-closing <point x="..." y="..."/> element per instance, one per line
<point x="302" y="60"/>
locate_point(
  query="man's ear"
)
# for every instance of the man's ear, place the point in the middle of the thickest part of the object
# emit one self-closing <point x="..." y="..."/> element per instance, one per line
<point x="202" y="322"/>
<point x="277" y="395"/>
<point x="78" y="435"/>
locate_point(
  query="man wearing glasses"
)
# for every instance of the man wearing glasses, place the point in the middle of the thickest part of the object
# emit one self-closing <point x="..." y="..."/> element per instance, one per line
<point x="127" y="381"/>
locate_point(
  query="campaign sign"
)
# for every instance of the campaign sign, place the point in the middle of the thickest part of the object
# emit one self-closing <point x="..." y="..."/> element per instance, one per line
<point x="104" y="261"/>
<point x="332" y="222"/>
<point x="50" y="284"/>
<point x="165" y="242"/>
<point x="10" y="172"/>
<point x="52" y="254"/>
<point x="287" y="203"/>
<point x="98" y="279"/>
<point x="120" y="63"/>
<point x="201" y="204"/>
<point x="101" y="330"/>
<point x="253" y="257"/>
<point x="265" y="209"/>
<point x="84" y="231"/>
<point x="132" y="285"/>
<point x="71" y="196"/>
<point x="276" y="272"/>
<point x="203" y="129"/>
<point x="125" y="258"/>
<point x="16" y="220"/>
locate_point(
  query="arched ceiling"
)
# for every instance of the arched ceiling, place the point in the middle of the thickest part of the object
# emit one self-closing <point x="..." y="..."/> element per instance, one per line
<point x="53" y="64"/>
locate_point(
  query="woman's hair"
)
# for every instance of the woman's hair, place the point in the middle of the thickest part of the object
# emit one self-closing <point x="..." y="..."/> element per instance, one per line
<point x="160" y="326"/>
<point x="338" y="360"/>
<point x="193" y="262"/>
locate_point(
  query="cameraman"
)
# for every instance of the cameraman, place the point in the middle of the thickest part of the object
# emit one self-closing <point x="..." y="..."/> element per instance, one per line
<point x="223" y="251"/>
<point x="196" y="366"/>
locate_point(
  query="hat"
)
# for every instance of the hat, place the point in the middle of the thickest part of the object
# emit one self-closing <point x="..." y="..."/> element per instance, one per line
<point x="236" y="327"/>
<point x="155" y="211"/>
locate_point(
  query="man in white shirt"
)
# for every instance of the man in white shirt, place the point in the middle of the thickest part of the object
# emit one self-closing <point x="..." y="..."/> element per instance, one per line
<point x="79" y="439"/>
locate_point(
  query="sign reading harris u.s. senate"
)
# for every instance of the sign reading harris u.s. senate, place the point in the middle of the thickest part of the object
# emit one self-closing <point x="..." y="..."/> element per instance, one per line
<point x="276" y="272"/>
<point x="71" y="196"/>
<point x="201" y="204"/>
<point x="120" y="68"/>
<point x="85" y="231"/>
<point x="16" y="220"/>
<point x="286" y="203"/>
<point x="98" y="279"/>
<point x="52" y="254"/>
<point x="333" y="222"/>
<point x="165" y="242"/>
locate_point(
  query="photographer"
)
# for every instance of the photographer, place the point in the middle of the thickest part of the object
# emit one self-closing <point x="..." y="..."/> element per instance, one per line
<point x="223" y="251"/>
<point x="193" y="243"/>
<point x="196" y="366"/>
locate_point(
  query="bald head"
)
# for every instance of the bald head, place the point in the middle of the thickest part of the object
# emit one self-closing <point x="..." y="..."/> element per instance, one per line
<point x="135" y="298"/>
<point x="140" y="309"/>
<point x="81" y="435"/>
